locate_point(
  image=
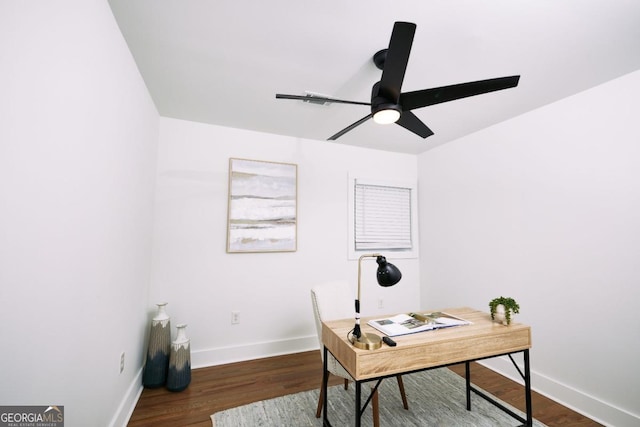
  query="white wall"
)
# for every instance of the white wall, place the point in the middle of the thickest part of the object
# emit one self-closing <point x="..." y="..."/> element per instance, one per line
<point x="546" y="208"/>
<point x="203" y="284"/>
<point x="78" y="142"/>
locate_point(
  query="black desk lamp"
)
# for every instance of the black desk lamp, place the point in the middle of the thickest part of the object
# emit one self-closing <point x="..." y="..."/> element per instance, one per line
<point x="388" y="275"/>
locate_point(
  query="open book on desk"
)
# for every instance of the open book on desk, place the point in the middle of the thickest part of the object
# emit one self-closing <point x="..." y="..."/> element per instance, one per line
<point x="404" y="324"/>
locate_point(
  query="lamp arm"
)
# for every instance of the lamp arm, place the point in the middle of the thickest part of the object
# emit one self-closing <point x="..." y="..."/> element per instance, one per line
<point x="356" y="329"/>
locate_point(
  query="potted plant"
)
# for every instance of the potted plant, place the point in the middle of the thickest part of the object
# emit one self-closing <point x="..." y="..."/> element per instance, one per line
<point x="502" y="308"/>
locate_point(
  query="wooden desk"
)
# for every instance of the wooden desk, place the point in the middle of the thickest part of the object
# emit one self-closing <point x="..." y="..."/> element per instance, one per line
<point x="426" y="350"/>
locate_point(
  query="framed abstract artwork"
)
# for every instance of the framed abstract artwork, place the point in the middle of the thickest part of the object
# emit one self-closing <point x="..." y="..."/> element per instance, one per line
<point x="262" y="208"/>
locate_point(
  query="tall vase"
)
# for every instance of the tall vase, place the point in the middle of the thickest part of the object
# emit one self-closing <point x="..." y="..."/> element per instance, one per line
<point x="155" y="370"/>
<point x="179" y="375"/>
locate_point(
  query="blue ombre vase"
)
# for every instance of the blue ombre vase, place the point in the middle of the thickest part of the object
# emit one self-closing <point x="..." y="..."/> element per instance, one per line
<point x="157" y="365"/>
<point x="179" y="375"/>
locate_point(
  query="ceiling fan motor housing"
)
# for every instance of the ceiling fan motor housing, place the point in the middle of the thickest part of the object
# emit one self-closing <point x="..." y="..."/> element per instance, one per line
<point x="382" y="104"/>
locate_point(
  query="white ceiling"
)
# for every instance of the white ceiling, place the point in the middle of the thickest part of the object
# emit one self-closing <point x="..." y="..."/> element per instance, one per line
<point x="223" y="61"/>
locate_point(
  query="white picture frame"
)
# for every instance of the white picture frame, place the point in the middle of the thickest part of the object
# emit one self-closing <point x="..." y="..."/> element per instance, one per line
<point x="262" y="206"/>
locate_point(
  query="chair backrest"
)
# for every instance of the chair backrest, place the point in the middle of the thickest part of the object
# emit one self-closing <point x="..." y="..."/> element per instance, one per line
<point x="332" y="300"/>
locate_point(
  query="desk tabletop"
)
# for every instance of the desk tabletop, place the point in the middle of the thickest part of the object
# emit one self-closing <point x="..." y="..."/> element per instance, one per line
<point x="483" y="338"/>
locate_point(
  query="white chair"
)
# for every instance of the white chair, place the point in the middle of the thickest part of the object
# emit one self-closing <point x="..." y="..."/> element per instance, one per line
<point x="335" y="300"/>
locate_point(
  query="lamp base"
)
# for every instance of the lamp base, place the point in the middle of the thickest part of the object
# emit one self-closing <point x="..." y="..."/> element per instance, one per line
<point x="367" y="341"/>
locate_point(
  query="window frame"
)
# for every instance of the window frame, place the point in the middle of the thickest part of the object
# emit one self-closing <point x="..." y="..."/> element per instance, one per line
<point x="395" y="253"/>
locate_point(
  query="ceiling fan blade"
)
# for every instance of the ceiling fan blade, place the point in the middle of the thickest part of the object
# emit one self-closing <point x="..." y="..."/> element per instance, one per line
<point x="411" y="122"/>
<point x="350" y="127"/>
<point x="396" y="60"/>
<point x="438" y="95"/>
<point x="318" y="99"/>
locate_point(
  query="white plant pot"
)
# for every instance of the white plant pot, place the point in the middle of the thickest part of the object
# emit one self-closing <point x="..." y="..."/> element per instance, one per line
<point x="500" y="316"/>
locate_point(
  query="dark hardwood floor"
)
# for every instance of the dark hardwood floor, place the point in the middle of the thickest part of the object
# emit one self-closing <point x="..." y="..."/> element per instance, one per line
<point x="221" y="387"/>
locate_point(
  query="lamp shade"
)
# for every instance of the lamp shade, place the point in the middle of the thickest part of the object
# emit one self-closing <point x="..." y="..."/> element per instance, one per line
<point x="388" y="274"/>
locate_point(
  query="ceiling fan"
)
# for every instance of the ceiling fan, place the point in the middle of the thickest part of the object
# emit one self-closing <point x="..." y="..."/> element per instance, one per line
<point x="389" y="104"/>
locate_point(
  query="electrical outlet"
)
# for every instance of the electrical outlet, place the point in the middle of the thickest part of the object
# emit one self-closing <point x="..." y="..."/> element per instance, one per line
<point x="380" y="303"/>
<point x="235" y="317"/>
<point x="121" y="362"/>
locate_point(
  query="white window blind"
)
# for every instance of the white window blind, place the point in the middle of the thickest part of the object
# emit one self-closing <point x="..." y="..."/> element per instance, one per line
<point x="382" y="217"/>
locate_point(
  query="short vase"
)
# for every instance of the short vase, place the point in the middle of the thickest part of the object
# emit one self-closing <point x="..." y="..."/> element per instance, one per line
<point x="179" y="375"/>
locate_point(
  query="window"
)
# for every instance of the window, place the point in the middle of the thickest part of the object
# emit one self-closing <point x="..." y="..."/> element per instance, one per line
<point x="382" y="217"/>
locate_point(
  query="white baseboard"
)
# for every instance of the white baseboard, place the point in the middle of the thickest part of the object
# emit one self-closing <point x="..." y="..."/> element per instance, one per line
<point x="576" y="400"/>
<point x="128" y="403"/>
<point x="223" y="355"/>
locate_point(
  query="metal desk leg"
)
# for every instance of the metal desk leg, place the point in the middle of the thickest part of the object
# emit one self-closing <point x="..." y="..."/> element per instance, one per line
<point x="358" y="396"/>
<point x="467" y="376"/>
<point x="526" y="376"/>
<point x="527" y="388"/>
<point x="325" y="381"/>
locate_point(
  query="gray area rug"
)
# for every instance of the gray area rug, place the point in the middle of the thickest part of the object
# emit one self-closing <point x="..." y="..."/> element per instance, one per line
<point x="436" y="398"/>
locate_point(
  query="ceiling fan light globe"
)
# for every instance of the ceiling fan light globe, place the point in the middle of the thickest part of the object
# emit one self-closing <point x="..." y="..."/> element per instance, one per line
<point x="386" y="116"/>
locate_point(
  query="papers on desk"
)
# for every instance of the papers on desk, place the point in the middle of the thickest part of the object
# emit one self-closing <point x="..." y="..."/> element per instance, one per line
<point x="404" y="324"/>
